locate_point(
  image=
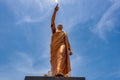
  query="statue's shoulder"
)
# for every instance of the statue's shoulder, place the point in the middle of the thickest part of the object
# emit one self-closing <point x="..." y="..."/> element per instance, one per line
<point x="64" y="32"/>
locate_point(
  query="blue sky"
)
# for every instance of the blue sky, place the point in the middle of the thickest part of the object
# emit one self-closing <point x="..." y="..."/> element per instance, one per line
<point x="92" y="26"/>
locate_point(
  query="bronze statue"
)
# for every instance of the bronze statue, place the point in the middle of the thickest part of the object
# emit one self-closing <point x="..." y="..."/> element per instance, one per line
<point x="60" y="49"/>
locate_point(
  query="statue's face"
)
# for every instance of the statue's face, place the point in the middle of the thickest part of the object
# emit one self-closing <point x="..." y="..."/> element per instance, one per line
<point x="60" y="27"/>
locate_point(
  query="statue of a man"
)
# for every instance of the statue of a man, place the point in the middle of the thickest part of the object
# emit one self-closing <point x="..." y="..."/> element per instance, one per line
<point x="60" y="49"/>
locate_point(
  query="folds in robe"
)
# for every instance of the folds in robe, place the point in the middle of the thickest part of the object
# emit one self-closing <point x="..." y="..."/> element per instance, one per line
<point x="60" y="62"/>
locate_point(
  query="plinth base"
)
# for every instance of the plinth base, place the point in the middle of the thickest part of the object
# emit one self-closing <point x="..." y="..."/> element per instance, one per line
<point x="53" y="78"/>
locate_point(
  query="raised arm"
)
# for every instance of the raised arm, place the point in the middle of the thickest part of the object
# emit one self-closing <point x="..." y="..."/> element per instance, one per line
<point x="53" y="19"/>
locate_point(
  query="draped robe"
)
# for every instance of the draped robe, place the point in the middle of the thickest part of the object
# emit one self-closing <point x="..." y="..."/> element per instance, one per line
<point x="60" y="62"/>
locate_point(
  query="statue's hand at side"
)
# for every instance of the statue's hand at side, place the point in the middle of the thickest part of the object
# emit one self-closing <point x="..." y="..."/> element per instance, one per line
<point x="70" y="52"/>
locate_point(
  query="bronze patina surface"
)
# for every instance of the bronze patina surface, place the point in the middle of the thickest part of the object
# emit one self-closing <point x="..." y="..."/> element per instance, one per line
<point x="60" y="49"/>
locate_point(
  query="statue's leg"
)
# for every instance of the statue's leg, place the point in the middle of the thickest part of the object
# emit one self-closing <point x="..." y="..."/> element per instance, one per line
<point x="61" y="59"/>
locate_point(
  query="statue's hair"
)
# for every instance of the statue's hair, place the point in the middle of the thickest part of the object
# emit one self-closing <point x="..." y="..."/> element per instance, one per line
<point x="60" y="25"/>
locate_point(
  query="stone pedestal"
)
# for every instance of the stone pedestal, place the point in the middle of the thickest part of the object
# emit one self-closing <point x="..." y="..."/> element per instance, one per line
<point x="53" y="78"/>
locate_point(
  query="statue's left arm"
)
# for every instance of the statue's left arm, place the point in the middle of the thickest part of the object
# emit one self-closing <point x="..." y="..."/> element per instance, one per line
<point x="68" y="45"/>
<point x="69" y="48"/>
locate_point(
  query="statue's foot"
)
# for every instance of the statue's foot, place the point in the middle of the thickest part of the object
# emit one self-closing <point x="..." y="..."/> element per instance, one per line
<point x="59" y="75"/>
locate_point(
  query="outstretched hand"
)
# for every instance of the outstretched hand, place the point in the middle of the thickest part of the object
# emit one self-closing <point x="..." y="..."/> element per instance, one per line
<point x="56" y="8"/>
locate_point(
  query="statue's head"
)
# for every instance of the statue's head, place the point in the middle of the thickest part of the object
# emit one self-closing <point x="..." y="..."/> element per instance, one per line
<point x="60" y="27"/>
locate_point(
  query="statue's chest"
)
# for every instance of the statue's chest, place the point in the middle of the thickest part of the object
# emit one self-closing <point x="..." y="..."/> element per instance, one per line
<point x="57" y="34"/>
